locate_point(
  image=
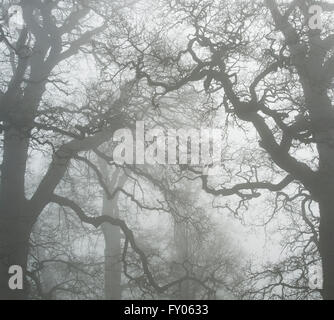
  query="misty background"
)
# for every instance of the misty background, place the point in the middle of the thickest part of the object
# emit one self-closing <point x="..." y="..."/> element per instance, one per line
<point x="84" y="227"/>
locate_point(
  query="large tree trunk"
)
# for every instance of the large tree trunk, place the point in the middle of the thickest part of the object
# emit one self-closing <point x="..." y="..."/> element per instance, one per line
<point x="326" y="207"/>
<point x="322" y="122"/>
<point x="327" y="247"/>
<point x="15" y="219"/>
<point x="112" y="253"/>
<point x="14" y="239"/>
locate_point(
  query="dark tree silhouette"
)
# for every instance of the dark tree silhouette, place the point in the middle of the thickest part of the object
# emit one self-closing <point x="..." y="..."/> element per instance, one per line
<point x="272" y="71"/>
<point x="53" y="32"/>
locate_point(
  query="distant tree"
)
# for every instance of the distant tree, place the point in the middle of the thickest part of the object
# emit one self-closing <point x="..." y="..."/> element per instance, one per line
<point x="112" y="235"/>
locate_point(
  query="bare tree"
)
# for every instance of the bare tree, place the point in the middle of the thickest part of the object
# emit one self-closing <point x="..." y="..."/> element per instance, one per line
<point x="283" y="102"/>
<point x="53" y="31"/>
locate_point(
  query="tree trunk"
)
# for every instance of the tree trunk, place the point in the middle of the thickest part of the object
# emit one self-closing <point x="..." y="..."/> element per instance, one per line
<point x="15" y="219"/>
<point x="112" y="236"/>
<point x="326" y="206"/>
<point x="182" y="238"/>
<point x="14" y="239"/>
<point x="322" y="122"/>
<point x="327" y="247"/>
<point x="113" y="255"/>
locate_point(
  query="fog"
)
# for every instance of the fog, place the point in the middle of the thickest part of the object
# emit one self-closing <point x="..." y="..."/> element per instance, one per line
<point x="224" y="194"/>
